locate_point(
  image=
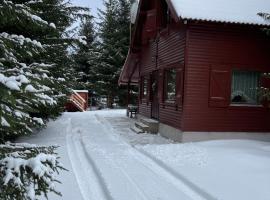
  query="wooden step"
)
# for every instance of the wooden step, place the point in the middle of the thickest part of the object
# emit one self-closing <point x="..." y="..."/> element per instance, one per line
<point x="152" y="124"/>
<point x="136" y="130"/>
<point x="149" y="121"/>
<point x="142" y="126"/>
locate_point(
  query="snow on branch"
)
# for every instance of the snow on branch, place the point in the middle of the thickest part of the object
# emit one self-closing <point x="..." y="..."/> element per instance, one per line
<point x="21" y="9"/>
<point x="28" y="171"/>
<point x="20" y="39"/>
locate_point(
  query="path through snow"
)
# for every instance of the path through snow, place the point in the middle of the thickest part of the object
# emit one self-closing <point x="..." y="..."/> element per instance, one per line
<point x="108" y="162"/>
<point x="104" y="166"/>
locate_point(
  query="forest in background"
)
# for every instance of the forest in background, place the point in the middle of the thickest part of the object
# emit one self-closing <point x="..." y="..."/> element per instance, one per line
<point x="41" y="60"/>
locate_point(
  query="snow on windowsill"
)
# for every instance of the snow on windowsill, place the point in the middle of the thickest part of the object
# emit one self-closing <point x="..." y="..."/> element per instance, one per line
<point x="245" y="105"/>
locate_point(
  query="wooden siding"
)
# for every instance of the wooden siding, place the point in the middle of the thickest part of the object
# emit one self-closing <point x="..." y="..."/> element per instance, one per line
<point x="233" y="46"/>
<point x="171" y="51"/>
<point x="167" y="50"/>
<point x="147" y="65"/>
<point x="148" y="54"/>
<point x="145" y="109"/>
<point x="171" y="47"/>
<point x="171" y="115"/>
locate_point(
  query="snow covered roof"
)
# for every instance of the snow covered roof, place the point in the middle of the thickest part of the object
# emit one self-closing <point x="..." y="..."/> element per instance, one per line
<point x="229" y="11"/>
<point x="86" y="91"/>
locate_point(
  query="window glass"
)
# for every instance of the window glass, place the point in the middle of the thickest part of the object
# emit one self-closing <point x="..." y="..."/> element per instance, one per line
<point x="170" y="85"/>
<point x="145" y="86"/>
<point x="245" y="86"/>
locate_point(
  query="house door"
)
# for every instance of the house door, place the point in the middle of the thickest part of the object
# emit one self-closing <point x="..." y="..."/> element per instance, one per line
<point x="154" y="95"/>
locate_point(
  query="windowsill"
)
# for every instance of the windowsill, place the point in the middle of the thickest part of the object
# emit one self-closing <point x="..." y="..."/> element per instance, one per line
<point x="245" y="105"/>
<point x="169" y="103"/>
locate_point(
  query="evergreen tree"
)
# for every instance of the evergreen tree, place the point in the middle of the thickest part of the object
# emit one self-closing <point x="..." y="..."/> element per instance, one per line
<point x="86" y="54"/>
<point x="35" y="67"/>
<point x="113" y="47"/>
<point x="35" y="71"/>
<point x="59" y="43"/>
<point x="25" y="79"/>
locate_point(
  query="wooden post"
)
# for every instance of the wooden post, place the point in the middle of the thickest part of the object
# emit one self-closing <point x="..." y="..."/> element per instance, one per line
<point x="128" y="93"/>
<point x="128" y="98"/>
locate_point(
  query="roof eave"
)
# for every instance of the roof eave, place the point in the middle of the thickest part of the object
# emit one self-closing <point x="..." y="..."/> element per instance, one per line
<point x="261" y="25"/>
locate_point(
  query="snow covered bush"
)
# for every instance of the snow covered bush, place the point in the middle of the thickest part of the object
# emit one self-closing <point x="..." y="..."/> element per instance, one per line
<point x="27" y="171"/>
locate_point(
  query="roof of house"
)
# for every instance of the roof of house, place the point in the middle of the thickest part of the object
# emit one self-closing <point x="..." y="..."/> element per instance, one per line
<point x="228" y="11"/>
<point x="223" y="11"/>
<point x="84" y="91"/>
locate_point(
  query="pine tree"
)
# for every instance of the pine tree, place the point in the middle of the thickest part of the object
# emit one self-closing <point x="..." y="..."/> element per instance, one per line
<point x="35" y="71"/>
<point x="113" y="48"/>
<point x="62" y="14"/>
<point x="86" y="54"/>
<point x="35" y="67"/>
<point x="24" y="79"/>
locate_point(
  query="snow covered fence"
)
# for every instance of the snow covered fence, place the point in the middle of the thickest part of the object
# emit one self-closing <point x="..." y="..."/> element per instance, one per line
<point x="28" y="171"/>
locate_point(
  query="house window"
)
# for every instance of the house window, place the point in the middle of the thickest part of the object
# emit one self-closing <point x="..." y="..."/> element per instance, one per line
<point x="245" y="86"/>
<point x="170" y="85"/>
<point x="145" y="87"/>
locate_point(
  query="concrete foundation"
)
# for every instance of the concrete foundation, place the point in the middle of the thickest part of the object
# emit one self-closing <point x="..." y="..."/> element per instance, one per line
<point x="186" y="136"/>
<point x="202" y="136"/>
<point x="170" y="132"/>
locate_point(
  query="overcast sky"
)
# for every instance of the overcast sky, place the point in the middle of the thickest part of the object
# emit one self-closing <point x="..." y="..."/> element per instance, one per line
<point x="92" y="4"/>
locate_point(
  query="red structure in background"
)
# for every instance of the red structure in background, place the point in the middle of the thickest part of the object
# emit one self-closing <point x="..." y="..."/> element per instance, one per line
<point x="78" y="101"/>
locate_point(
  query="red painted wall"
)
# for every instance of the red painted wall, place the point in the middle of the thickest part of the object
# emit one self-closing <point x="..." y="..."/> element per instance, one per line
<point x="169" y="47"/>
<point x="229" y="46"/>
<point x="145" y="109"/>
<point x="171" y="51"/>
<point x="147" y="65"/>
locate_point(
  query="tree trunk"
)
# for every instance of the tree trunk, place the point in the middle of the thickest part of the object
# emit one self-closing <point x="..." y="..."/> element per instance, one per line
<point x="110" y="101"/>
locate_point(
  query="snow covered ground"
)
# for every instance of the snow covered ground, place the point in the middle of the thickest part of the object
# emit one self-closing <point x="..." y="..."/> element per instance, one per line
<point x="109" y="162"/>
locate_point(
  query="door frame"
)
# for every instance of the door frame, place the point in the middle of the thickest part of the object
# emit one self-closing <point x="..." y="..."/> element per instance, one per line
<point x="154" y="94"/>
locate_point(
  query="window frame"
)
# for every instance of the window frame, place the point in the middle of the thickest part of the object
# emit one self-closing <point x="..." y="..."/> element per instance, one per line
<point x="144" y="96"/>
<point x="165" y="84"/>
<point x="250" y="105"/>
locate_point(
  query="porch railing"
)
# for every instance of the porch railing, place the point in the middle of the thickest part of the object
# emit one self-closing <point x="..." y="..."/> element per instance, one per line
<point x="78" y="101"/>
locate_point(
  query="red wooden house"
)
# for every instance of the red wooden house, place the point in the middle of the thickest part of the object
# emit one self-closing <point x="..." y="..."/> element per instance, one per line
<point x="199" y="65"/>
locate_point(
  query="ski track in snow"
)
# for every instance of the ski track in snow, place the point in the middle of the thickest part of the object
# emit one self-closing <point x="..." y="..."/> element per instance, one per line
<point x="180" y="181"/>
<point x="160" y="168"/>
<point x="108" y="168"/>
<point x="84" y="168"/>
<point x="106" y="161"/>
